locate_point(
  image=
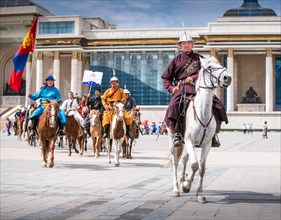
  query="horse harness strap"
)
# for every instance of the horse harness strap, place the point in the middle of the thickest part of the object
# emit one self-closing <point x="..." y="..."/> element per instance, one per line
<point x="204" y="126"/>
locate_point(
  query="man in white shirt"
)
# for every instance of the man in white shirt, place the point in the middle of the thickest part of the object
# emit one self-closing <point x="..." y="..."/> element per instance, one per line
<point x="70" y="106"/>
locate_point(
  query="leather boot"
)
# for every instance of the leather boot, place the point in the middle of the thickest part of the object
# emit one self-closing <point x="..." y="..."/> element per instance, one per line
<point x="34" y="122"/>
<point x="215" y="141"/>
<point x="61" y="129"/>
<point x="105" y="131"/>
<point x="128" y="131"/>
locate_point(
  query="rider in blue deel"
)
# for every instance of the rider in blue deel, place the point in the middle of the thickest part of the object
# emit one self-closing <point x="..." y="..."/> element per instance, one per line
<point x="48" y="92"/>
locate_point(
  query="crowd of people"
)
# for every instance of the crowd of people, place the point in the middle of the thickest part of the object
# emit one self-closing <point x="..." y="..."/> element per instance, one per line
<point x="74" y="105"/>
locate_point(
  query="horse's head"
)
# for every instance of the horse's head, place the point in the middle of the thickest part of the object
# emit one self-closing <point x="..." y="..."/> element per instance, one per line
<point x="119" y="110"/>
<point x="51" y="111"/>
<point x="213" y="74"/>
<point x="95" y="117"/>
<point x="136" y="115"/>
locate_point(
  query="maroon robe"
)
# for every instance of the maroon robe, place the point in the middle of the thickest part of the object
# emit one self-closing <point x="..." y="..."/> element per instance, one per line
<point x="183" y="66"/>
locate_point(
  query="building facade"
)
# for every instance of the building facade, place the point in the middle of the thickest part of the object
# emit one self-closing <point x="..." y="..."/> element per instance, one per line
<point x="247" y="44"/>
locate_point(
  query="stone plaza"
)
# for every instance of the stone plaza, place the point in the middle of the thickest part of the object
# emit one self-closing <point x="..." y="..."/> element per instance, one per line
<point x="242" y="182"/>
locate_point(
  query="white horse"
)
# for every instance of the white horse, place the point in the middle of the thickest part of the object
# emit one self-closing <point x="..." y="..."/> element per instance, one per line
<point x="117" y="133"/>
<point x="200" y="127"/>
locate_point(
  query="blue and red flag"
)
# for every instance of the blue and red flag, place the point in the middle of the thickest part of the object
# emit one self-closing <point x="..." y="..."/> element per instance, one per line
<point x="21" y="57"/>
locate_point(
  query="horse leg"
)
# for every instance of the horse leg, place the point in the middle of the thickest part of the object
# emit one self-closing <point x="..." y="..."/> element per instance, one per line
<point x="80" y="143"/>
<point x="118" y="146"/>
<point x="174" y="160"/>
<point x="94" y="145"/>
<point x="74" y="145"/>
<point x="183" y="183"/>
<point x="194" y="164"/>
<point x="69" y="145"/>
<point x="202" y="168"/>
<point x="109" y="145"/>
<point x="43" y="153"/>
<point x="130" y="148"/>
<point x="51" y="153"/>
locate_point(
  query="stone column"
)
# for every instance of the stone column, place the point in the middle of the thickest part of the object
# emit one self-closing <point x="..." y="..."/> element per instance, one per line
<point x="127" y="63"/>
<point x="160" y="70"/>
<point x="214" y="53"/>
<point x="39" y="72"/>
<point x="143" y="66"/>
<point x="230" y="90"/>
<point x="28" y="76"/>
<point x="57" y="68"/>
<point x="79" y="74"/>
<point x="74" y="71"/>
<point x="268" y="81"/>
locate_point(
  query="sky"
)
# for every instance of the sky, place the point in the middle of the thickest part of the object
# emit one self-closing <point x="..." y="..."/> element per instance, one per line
<point x="130" y="14"/>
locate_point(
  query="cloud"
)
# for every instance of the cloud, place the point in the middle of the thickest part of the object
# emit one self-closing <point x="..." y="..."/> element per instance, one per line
<point x="150" y="13"/>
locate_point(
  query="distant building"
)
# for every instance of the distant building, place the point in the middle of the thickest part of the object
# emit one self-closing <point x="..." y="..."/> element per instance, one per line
<point x="246" y="40"/>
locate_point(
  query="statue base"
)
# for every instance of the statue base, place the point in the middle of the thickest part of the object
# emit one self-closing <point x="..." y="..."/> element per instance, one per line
<point x="250" y="107"/>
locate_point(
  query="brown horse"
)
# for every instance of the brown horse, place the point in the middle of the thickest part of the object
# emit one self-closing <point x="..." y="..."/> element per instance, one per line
<point x="96" y="131"/>
<point x="47" y="130"/>
<point x="128" y="142"/>
<point x="74" y="133"/>
<point x="117" y="133"/>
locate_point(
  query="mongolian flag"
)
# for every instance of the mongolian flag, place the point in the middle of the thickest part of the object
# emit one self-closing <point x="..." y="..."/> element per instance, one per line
<point x="21" y="57"/>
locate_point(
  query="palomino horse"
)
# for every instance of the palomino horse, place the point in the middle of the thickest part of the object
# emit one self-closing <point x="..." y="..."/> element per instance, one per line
<point x="47" y="130"/>
<point x="200" y="127"/>
<point x="96" y="131"/>
<point x="128" y="142"/>
<point x="74" y="133"/>
<point x="117" y="132"/>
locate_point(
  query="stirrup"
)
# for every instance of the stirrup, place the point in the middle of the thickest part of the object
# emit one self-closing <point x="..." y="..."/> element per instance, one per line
<point x="177" y="140"/>
<point x="32" y="132"/>
<point x="215" y="141"/>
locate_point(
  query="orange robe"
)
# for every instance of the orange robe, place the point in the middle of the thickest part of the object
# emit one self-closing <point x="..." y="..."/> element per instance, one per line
<point x="108" y="99"/>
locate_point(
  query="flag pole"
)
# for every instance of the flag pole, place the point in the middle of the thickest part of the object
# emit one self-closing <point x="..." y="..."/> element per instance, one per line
<point x="31" y="73"/>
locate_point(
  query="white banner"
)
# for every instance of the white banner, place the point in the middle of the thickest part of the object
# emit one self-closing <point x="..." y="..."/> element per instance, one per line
<point x="92" y="78"/>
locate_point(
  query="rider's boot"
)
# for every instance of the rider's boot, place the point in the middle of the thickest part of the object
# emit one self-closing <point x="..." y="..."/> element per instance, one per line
<point x="177" y="138"/>
<point x="128" y="131"/>
<point x="61" y="129"/>
<point x="34" y="122"/>
<point x="215" y="140"/>
<point x="87" y="129"/>
<point x="106" y="131"/>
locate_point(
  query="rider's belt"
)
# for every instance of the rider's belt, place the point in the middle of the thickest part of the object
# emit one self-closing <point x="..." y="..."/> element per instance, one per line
<point x="44" y="103"/>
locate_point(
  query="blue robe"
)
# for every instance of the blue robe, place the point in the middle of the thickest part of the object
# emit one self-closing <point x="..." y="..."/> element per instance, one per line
<point x="50" y="93"/>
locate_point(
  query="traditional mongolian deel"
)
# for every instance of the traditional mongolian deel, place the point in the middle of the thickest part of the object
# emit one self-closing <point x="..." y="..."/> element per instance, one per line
<point x="21" y="57"/>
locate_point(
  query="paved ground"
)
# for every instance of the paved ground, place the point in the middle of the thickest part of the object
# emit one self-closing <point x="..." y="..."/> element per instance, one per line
<point x="242" y="182"/>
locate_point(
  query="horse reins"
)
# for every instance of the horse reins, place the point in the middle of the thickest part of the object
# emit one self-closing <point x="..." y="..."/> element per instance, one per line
<point x="183" y="96"/>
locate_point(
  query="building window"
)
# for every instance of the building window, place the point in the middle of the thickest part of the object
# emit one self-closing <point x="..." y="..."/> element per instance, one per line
<point x="59" y="27"/>
<point x="140" y="76"/>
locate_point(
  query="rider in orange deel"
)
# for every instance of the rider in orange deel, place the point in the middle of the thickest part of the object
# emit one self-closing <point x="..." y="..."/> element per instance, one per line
<point x="109" y="98"/>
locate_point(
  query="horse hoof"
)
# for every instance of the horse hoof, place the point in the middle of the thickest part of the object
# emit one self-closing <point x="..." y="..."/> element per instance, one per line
<point x="44" y="165"/>
<point x="109" y="161"/>
<point x="81" y="153"/>
<point x="117" y="165"/>
<point x="202" y="199"/>
<point x="51" y="165"/>
<point x="175" y="194"/>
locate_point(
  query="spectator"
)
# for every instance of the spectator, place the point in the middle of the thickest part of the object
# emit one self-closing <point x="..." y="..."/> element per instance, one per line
<point x="264" y="130"/>
<point x="153" y="128"/>
<point x="8" y="126"/>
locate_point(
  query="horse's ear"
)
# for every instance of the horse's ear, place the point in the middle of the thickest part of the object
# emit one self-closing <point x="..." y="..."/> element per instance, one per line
<point x="48" y="101"/>
<point x="203" y="61"/>
<point x="138" y="108"/>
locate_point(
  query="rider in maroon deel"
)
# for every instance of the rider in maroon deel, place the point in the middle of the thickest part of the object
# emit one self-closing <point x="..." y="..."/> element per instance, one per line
<point x="185" y="67"/>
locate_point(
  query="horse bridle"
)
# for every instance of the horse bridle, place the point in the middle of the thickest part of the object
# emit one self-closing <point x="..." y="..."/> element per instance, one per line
<point x="208" y="72"/>
<point x="119" y="110"/>
<point x="49" y="114"/>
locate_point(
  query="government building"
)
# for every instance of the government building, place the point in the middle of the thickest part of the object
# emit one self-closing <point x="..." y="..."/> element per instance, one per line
<point x="246" y="40"/>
